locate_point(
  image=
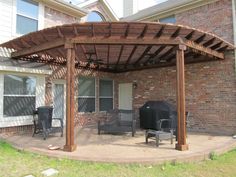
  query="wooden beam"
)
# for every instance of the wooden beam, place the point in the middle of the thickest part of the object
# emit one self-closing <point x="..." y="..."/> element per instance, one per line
<point x="108" y="55"/>
<point x="143" y="31"/>
<point x="176" y="33"/>
<point x="59" y="32"/>
<point x="181" y="119"/>
<point x="200" y="39"/>
<point x="125" y="41"/>
<point x="126" y="31"/>
<point x="144" y="53"/>
<point x="131" y="54"/>
<point x="70" y="100"/>
<point x="118" y="60"/>
<point x="160" y="32"/>
<point x="38" y="48"/>
<point x="190" y="35"/>
<point x="203" y="50"/>
<point x="210" y="42"/>
<point x="158" y="51"/>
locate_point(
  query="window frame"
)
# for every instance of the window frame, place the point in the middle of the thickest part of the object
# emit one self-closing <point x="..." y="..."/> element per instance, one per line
<point x="99" y="97"/>
<point x="40" y="98"/>
<point x="94" y="97"/>
<point x="18" y="95"/>
<point x="168" y="17"/>
<point x="26" y="16"/>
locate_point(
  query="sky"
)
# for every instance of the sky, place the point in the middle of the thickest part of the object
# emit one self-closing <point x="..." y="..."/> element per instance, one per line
<point x="117" y="5"/>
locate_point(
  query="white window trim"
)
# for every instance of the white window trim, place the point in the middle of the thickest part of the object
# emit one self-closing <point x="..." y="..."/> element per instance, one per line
<point x="14" y="13"/>
<point x="113" y="92"/>
<point x="95" y="97"/>
<point x="40" y="101"/>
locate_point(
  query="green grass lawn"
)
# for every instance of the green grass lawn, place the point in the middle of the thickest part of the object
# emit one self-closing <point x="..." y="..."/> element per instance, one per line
<point x="20" y="163"/>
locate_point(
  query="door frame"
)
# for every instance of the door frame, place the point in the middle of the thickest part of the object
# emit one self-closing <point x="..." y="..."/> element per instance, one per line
<point x="60" y="81"/>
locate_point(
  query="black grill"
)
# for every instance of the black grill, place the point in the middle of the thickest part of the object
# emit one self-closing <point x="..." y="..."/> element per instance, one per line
<point x="153" y="111"/>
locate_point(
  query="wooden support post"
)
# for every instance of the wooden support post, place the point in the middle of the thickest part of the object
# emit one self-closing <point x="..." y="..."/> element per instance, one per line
<point x="70" y="98"/>
<point x="181" y="130"/>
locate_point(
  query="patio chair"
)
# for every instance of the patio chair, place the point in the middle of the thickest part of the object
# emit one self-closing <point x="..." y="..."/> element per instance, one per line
<point x="42" y="120"/>
<point x="122" y="121"/>
<point x="167" y="129"/>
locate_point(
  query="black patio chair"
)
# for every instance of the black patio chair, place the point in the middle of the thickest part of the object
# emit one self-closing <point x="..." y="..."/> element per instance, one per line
<point x="42" y="120"/>
<point x="122" y="121"/>
<point x="167" y="128"/>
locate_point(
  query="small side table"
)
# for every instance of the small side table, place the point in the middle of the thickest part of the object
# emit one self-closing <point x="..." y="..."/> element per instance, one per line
<point x="158" y="136"/>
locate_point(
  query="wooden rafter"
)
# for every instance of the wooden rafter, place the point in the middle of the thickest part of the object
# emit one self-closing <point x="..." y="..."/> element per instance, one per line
<point x="167" y="53"/>
<point x="148" y="48"/>
<point x="154" y="56"/>
<point x="200" y="39"/>
<point x="126" y="31"/>
<point x="190" y="35"/>
<point x="142" y="34"/>
<point x="108" y="55"/>
<point x="210" y="42"/>
<point x="176" y="33"/>
<point x="38" y="48"/>
<point x="160" y="32"/>
<point x="131" y="55"/>
<point x="203" y="50"/>
<point x="118" y="60"/>
<point x="214" y="47"/>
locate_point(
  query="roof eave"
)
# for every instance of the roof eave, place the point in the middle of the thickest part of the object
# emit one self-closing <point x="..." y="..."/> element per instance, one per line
<point x="144" y="15"/>
<point x="65" y="7"/>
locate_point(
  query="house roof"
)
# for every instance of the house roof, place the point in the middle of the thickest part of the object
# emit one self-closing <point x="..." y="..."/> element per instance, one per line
<point x="65" y="7"/>
<point x="166" y="8"/>
<point x="104" y="3"/>
<point x="118" y="46"/>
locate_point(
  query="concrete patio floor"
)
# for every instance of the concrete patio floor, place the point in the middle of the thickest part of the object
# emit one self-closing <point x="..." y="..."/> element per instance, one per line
<point x="123" y="148"/>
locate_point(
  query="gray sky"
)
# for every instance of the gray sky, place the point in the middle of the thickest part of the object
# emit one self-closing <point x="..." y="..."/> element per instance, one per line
<point x="117" y="5"/>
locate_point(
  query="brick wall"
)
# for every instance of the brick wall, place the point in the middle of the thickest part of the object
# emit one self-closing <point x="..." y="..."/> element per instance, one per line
<point x="53" y="17"/>
<point x="210" y="92"/>
<point x="97" y="7"/>
<point x="215" y="17"/>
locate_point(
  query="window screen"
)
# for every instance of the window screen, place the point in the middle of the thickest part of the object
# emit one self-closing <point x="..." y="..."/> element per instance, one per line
<point x="105" y="95"/>
<point x="19" y="95"/>
<point x="86" y="99"/>
<point x="27" y="16"/>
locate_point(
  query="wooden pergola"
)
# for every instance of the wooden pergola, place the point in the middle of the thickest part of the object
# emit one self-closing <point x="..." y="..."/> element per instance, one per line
<point x="119" y="47"/>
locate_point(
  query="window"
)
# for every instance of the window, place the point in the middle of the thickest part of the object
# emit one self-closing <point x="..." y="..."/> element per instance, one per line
<point x="19" y="95"/>
<point x="170" y="19"/>
<point x="95" y="17"/>
<point x="27" y="16"/>
<point x="86" y="100"/>
<point x="105" y="95"/>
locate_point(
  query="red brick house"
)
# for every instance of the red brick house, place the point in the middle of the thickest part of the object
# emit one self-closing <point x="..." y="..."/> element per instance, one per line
<point x="210" y="86"/>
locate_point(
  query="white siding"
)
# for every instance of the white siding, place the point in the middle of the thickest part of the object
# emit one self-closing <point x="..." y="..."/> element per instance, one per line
<point x="6" y="16"/>
<point x="8" y="19"/>
<point x="40" y="100"/>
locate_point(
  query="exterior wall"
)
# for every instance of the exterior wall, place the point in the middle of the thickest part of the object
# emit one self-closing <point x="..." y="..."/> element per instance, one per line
<point x="98" y="8"/>
<point x="215" y="17"/>
<point x="81" y="118"/>
<point x="210" y="93"/>
<point x="53" y="17"/>
<point x="6" y="14"/>
<point x="8" y="19"/>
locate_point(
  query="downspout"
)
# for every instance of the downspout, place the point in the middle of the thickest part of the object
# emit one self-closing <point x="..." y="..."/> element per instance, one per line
<point x="234" y="29"/>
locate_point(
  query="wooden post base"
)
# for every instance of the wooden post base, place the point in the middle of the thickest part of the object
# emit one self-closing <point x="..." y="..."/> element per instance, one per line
<point x="181" y="147"/>
<point x="70" y="148"/>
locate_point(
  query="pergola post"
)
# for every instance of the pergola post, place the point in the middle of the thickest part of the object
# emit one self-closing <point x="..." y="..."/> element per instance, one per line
<point x="70" y="98"/>
<point x="181" y="130"/>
